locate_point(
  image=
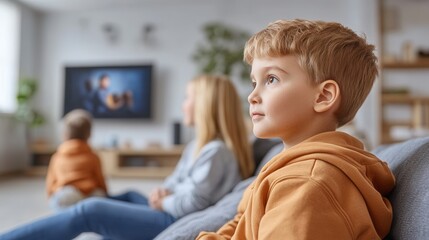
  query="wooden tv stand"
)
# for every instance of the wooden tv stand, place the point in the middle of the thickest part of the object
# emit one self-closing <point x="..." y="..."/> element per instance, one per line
<point x="153" y="162"/>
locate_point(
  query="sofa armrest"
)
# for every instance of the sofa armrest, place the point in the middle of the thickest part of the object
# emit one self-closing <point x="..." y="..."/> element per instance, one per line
<point x="409" y="162"/>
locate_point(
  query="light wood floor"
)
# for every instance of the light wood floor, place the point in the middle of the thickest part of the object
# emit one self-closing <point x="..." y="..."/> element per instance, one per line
<point x="22" y="197"/>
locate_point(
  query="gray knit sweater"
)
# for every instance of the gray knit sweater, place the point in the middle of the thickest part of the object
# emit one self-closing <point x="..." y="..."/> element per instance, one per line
<point x="199" y="182"/>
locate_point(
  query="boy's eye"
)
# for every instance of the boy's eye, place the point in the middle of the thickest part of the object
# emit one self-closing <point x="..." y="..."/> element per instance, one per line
<point x="271" y="80"/>
<point x="253" y="85"/>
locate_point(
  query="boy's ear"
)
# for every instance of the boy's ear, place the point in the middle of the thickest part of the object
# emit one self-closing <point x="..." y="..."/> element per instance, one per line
<point x="328" y="96"/>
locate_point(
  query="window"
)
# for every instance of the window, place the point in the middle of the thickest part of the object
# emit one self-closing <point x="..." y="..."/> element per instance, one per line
<point x="9" y="55"/>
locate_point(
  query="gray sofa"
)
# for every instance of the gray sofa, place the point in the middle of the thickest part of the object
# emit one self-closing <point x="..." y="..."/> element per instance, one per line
<point x="408" y="160"/>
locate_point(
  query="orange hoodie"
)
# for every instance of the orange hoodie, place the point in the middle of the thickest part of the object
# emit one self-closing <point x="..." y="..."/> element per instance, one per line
<point x="75" y="164"/>
<point x="326" y="187"/>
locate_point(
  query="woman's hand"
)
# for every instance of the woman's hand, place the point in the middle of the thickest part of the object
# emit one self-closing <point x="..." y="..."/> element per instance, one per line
<point x="156" y="197"/>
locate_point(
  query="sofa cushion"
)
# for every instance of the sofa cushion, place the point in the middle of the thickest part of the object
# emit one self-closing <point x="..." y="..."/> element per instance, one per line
<point x="212" y="218"/>
<point x="260" y="149"/>
<point x="409" y="162"/>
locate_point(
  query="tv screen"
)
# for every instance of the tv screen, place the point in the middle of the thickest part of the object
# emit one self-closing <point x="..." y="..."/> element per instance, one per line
<point x="115" y="92"/>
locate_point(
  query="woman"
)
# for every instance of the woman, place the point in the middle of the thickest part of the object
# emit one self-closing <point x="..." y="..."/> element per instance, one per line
<point x="217" y="159"/>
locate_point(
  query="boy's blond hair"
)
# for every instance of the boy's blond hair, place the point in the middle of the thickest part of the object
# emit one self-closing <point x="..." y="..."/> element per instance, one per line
<point x="77" y="125"/>
<point x="218" y="114"/>
<point x="326" y="51"/>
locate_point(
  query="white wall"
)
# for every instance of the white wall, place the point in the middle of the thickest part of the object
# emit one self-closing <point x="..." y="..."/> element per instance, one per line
<point x="9" y="49"/>
<point x="77" y="38"/>
<point x="14" y="154"/>
<point x="365" y="22"/>
<point x="13" y="150"/>
<point x="30" y="43"/>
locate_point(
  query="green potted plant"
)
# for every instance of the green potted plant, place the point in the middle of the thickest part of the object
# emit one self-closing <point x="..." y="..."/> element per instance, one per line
<point x="27" y="88"/>
<point x="222" y="52"/>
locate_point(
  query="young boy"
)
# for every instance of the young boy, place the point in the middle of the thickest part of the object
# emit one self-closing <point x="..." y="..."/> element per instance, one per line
<point x="74" y="171"/>
<point x="309" y="78"/>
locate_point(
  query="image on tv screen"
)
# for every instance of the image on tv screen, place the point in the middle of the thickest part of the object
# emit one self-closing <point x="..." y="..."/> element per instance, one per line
<point x="116" y="92"/>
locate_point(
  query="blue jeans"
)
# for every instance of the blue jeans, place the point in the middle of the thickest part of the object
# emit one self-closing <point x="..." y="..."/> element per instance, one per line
<point x="110" y="218"/>
<point x="131" y="197"/>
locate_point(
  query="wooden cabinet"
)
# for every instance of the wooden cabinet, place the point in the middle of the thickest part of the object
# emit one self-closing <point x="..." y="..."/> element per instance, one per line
<point x="417" y="123"/>
<point x="39" y="159"/>
<point x="404" y="101"/>
<point x="153" y="162"/>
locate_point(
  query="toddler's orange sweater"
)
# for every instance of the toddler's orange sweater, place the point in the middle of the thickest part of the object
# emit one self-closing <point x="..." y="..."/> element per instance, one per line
<point x="75" y="164"/>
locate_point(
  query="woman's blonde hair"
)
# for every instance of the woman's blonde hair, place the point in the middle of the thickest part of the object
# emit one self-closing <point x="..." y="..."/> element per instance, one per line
<point x="326" y="51"/>
<point x="218" y="114"/>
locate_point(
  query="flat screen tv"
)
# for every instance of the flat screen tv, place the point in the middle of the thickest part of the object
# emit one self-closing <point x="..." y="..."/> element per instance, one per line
<point x="109" y="92"/>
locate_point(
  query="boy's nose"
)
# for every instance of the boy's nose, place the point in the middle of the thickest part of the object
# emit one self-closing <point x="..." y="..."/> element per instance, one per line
<point x="254" y="97"/>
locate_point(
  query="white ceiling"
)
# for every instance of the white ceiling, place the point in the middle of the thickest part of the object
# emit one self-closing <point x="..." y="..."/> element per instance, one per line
<point x="76" y="5"/>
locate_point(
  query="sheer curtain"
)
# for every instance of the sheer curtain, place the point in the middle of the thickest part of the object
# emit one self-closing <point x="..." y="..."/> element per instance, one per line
<point x="9" y="55"/>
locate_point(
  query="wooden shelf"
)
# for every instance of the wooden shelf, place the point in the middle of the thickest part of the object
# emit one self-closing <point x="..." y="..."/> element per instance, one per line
<point x="386" y="139"/>
<point x="154" y="151"/>
<point x="400" y="98"/>
<point x="403" y="98"/>
<point x="419" y="64"/>
<point x="37" y="171"/>
<point x="148" y="163"/>
<point x="389" y="124"/>
<point x="143" y="172"/>
<point x="43" y="149"/>
<point x="40" y="157"/>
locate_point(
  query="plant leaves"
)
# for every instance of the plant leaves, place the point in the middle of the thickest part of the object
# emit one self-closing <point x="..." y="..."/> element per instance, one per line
<point x="222" y="51"/>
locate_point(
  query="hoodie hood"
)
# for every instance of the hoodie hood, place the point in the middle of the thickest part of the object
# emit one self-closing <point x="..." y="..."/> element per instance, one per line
<point x="74" y="146"/>
<point x="371" y="176"/>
